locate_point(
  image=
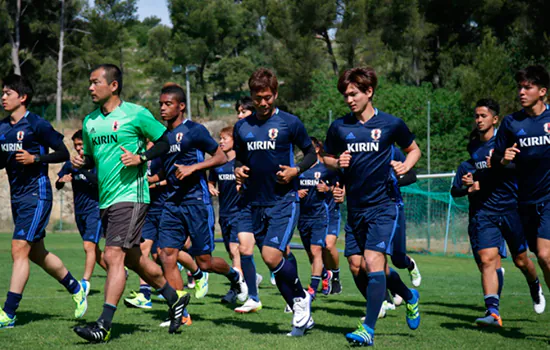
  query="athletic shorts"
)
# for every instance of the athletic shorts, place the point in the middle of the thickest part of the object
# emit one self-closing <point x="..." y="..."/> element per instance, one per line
<point x="151" y="226"/>
<point x="89" y="226"/>
<point x="181" y="221"/>
<point x="400" y="240"/>
<point x="334" y="219"/>
<point x="122" y="223"/>
<point x="313" y="231"/>
<point x="271" y="225"/>
<point x="230" y="230"/>
<point x="491" y="230"/>
<point x="373" y="229"/>
<point x="535" y="219"/>
<point x="31" y="218"/>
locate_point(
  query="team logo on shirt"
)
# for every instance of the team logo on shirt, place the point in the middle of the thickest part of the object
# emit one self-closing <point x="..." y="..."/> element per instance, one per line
<point x="375" y="134"/>
<point x="547" y="128"/>
<point x="116" y="125"/>
<point x="179" y="137"/>
<point x="20" y="135"/>
<point x="273" y="133"/>
<point x="317" y="175"/>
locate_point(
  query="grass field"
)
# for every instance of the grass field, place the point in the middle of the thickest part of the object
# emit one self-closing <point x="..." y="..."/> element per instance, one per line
<point x="450" y="299"/>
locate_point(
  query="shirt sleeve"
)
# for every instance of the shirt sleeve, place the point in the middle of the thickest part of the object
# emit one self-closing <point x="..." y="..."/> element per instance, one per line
<point x="333" y="144"/>
<point x="87" y="148"/>
<point x="149" y="126"/>
<point x="202" y="140"/>
<point x="398" y="155"/>
<point x="212" y="176"/>
<point x="402" y="135"/>
<point x="65" y="169"/>
<point x="48" y="135"/>
<point x="463" y="169"/>
<point x="299" y="134"/>
<point x="505" y="137"/>
<point x="238" y="145"/>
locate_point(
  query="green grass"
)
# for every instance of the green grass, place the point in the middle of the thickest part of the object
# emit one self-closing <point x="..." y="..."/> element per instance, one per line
<point x="450" y="301"/>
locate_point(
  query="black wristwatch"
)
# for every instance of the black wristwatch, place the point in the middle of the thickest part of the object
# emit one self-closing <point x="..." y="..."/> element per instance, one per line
<point x="143" y="158"/>
<point x="36" y="158"/>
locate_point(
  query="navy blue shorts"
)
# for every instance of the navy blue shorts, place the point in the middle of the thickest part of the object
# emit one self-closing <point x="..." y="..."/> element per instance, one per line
<point x="271" y="225"/>
<point x="352" y="247"/>
<point x="536" y="222"/>
<point x="373" y="229"/>
<point x="334" y="219"/>
<point x="31" y="218"/>
<point x="89" y="226"/>
<point x="400" y="238"/>
<point x="151" y="226"/>
<point x="181" y="221"/>
<point x="491" y="230"/>
<point x="230" y="229"/>
<point x="313" y="231"/>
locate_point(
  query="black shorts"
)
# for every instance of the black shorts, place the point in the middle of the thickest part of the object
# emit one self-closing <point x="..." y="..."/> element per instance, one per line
<point x="122" y="223"/>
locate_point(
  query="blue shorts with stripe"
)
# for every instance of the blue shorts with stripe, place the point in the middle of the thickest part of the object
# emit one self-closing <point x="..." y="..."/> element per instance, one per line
<point x="195" y="221"/>
<point x="313" y="230"/>
<point x="400" y="239"/>
<point x="151" y="226"/>
<point x="271" y="225"/>
<point x="230" y="230"/>
<point x="372" y="228"/>
<point x="536" y="223"/>
<point x="495" y="230"/>
<point x="31" y="217"/>
<point x="334" y="222"/>
<point x="89" y="226"/>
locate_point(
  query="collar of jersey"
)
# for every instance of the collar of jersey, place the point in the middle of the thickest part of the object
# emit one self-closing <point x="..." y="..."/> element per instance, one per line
<point x="274" y="114"/>
<point x="110" y="113"/>
<point x="359" y="122"/>
<point x="22" y="120"/>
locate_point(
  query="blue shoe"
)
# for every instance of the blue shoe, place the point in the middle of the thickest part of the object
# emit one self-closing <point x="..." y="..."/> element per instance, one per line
<point x="491" y="319"/>
<point x="86" y="286"/>
<point x="413" y="315"/>
<point x="362" y="336"/>
<point x="180" y="267"/>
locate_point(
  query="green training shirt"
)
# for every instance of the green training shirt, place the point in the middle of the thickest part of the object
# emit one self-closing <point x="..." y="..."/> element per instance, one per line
<point x="129" y="125"/>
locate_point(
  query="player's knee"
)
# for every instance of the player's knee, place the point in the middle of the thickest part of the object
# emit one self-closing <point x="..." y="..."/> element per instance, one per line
<point x="246" y="249"/>
<point x="354" y="265"/>
<point x="113" y="257"/>
<point x="204" y="262"/>
<point x="169" y="257"/>
<point x="521" y="261"/>
<point x="271" y="260"/>
<point x="543" y="256"/>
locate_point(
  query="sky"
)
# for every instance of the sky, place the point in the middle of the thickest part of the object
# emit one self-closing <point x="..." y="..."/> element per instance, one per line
<point x="157" y="8"/>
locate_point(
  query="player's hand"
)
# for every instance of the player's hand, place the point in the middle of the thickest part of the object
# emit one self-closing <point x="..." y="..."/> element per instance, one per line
<point x="66" y="178"/>
<point x="344" y="159"/>
<point x="24" y="157"/>
<point x="338" y="193"/>
<point x="468" y="179"/>
<point x="241" y="174"/>
<point x="213" y="190"/>
<point x="399" y="167"/>
<point x="286" y="174"/>
<point x="182" y="171"/>
<point x="488" y="160"/>
<point x="128" y="158"/>
<point x="474" y="188"/>
<point x="322" y="187"/>
<point x="302" y="193"/>
<point x="510" y="154"/>
<point x="77" y="161"/>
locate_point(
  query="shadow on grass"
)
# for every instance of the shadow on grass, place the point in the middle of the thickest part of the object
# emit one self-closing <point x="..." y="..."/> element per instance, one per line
<point x="477" y="308"/>
<point x="118" y="329"/>
<point x="261" y="327"/>
<point x="24" y="317"/>
<point x="505" y="332"/>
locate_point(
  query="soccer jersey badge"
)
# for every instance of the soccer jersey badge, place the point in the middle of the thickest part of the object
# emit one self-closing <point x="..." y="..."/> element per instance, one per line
<point x="375" y="134"/>
<point x="20" y="135"/>
<point x="179" y="137"/>
<point x="115" y="126"/>
<point x="272" y="133"/>
<point x="547" y="128"/>
<point x="317" y="175"/>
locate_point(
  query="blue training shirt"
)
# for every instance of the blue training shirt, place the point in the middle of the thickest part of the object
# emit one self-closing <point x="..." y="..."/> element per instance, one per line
<point x="532" y="135"/>
<point x="263" y="145"/>
<point x="158" y="194"/>
<point x="463" y="169"/>
<point x="370" y="145"/>
<point x="189" y="141"/>
<point x="85" y="193"/>
<point x="315" y="203"/>
<point x="36" y="136"/>
<point x="224" y="176"/>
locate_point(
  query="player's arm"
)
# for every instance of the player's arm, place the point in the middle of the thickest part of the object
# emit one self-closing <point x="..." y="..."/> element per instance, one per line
<point x="63" y="176"/>
<point x="90" y="175"/>
<point x="49" y="138"/>
<point x="405" y="139"/>
<point x="301" y="139"/>
<point x="505" y="146"/>
<point x="334" y="146"/>
<point x="459" y="187"/>
<point x="160" y="148"/>
<point x="241" y="170"/>
<point x="407" y="179"/>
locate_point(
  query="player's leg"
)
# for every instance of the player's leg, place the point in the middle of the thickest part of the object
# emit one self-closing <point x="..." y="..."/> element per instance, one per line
<point x="20" y="250"/>
<point x="357" y="266"/>
<point x="490" y="258"/>
<point x="318" y="238"/>
<point x="142" y="299"/>
<point x="89" y="226"/>
<point x="331" y="261"/>
<point x="399" y="258"/>
<point x="305" y="228"/>
<point x="173" y="232"/>
<point x="246" y="250"/>
<point x="542" y="241"/>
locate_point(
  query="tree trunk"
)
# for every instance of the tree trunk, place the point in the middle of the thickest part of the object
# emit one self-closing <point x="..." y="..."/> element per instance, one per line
<point x="16" y="42"/>
<point x="203" y="85"/>
<point x="59" y="93"/>
<point x="326" y="38"/>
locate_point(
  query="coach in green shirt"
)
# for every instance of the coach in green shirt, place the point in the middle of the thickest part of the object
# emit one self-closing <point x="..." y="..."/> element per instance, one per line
<point x="114" y="139"/>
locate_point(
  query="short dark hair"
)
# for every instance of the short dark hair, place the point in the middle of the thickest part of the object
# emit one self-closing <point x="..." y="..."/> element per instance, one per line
<point x="175" y="90"/>
<point x="491" y="105"/>
<point x="362" y="77"/>
<point x="536" y="75"/>
<point x="19" y="84"/>
<point x="112" y="73"/>
<point x="77" y="135"/>
<point x="318" y="143"/>
<point x="246" y="103"/>
<point x="263" y="79"/>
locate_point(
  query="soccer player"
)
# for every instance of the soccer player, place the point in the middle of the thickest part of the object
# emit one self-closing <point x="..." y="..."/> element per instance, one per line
<point x="264" y="146"/>
<point x="314" y="217"/>
<point x="86" y="210"/>
<point x="524" y="140"/>
<point x="361" y="144"/>
<point x="188" y="210"/>
<point x="25" y="139"/>
<point x="244" y="107"/>
<point x="114" y="138"/>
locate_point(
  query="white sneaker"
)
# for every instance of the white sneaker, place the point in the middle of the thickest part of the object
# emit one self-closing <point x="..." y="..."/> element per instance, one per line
<point x="382" y="312"/>
<point x="299" y="332"/>
<point x="249" y="306"/>
<point x="242" y="291"/>
<point x="86" y="285"/>
<point x="541" y="305"/>
<point x="388" y="306"/>
<point x="302" y="311"/>
<point x="397" y="300"/>
<point x="272" y="279"/>
<point x="259" y="279"/>
<point x="288" y="309"/>
<point x="416" y="278"/>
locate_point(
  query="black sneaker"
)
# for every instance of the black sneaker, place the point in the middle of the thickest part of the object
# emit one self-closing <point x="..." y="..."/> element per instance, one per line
<point x="336" y="287"/>
<point x="176" y="311"/>
<point x="94" y="332"/>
